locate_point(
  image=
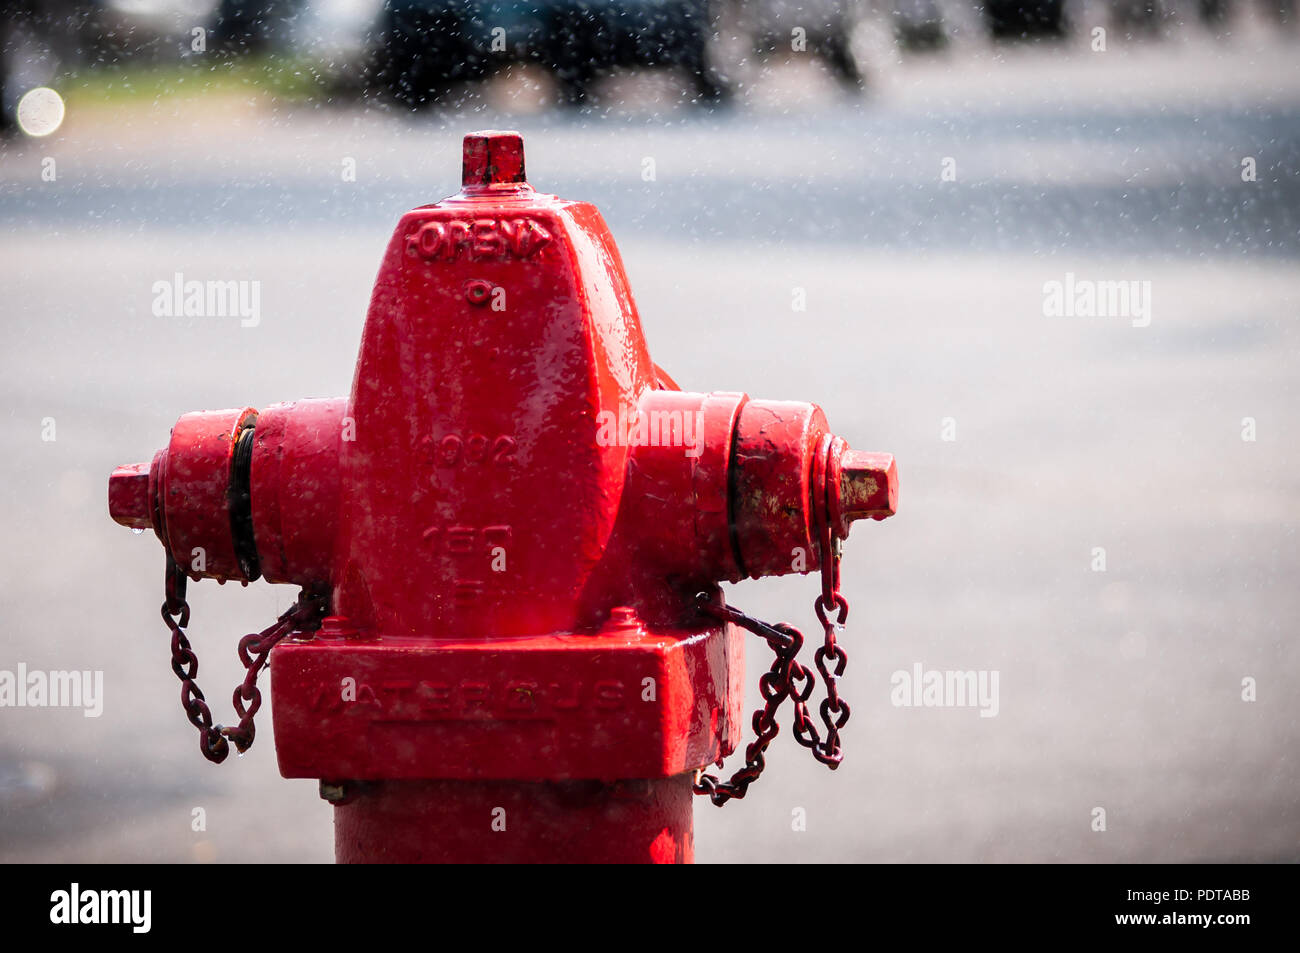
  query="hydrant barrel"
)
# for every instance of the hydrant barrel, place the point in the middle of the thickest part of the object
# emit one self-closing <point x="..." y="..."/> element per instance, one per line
<point x="505" y="822"/>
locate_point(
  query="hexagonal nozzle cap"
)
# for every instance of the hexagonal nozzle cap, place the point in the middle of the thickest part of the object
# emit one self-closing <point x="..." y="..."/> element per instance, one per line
<point x="492" y="157"/>
<point x="128" y="496"/>
<point x="868" y="485"/>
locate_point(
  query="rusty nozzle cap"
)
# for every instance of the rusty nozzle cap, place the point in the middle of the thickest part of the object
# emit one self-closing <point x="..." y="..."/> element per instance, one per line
<point x="868" y="486"/>
<point x="492" y="157"/>
<point x="128" y="496"/>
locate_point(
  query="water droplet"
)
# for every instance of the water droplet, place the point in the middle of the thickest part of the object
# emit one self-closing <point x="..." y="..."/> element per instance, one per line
<point x="137" y="530"/>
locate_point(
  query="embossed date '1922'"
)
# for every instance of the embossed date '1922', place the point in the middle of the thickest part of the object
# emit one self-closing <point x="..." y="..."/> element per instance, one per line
<point x="481" y="239"/>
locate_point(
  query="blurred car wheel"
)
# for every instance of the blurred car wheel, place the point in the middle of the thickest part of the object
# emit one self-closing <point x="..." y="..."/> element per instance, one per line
<point x="823" y="28"/>
<point x="918" y="25"/>
<point x="1025" y="18"/>
<point x="1136" y="14"/>
<point x="422" y="54"/>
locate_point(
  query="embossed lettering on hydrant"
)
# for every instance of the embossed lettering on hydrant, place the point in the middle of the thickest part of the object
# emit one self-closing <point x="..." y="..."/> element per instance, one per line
<point x="478" y="240"/>
<point x="508" y="699"/>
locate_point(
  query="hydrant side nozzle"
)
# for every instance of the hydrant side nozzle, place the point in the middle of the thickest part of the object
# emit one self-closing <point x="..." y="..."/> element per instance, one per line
<point x="753" y="490"/>
<point x="238" y="494"/>
<point x="129" y="500"/>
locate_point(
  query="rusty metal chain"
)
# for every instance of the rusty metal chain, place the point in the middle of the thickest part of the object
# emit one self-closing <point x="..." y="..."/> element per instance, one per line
<point x="788" y="678"/>
<point x="254" y="653"/>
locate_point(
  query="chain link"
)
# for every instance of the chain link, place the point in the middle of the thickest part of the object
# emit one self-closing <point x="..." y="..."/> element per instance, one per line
<point x="254" y="653"/>
<point x="789" y="679"/>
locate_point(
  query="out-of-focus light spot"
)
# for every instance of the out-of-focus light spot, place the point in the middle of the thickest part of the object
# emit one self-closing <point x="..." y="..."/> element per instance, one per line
<point x="40" y="111"/>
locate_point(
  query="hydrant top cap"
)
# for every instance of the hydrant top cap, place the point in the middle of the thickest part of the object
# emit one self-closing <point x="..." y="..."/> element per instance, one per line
<point x="493" y="157"/>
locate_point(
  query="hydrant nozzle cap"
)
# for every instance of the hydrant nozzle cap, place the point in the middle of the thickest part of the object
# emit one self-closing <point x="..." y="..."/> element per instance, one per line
<point x="129" y="503"/>
<point x="493" y="157"/>
<point x="868" y="486"/>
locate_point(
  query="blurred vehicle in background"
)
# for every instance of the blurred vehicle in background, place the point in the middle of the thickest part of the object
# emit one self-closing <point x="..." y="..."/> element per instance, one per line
<point x="843" y="34"/>
<point x="918" y="24"/>
<point x="1010" y="19"/>
<point x="415" y="51"/>
<point x="1213" y="11"/>
<point x="427" y="46"/>
<point x="1135" y="14"/>
<point x="150" y="30"/>
<point x="823" y="28"/>
<point x="254" y="26"/>
<point x="339" y="38"/>
<point x="44" y="40"/>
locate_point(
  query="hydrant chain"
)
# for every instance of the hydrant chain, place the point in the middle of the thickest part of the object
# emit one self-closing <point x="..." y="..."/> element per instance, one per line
<point x="254" y="651"/>
<point x="787" y="678"/>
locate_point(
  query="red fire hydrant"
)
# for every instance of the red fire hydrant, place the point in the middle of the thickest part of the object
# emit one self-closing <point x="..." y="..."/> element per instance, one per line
<point x="510" y="643"/>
